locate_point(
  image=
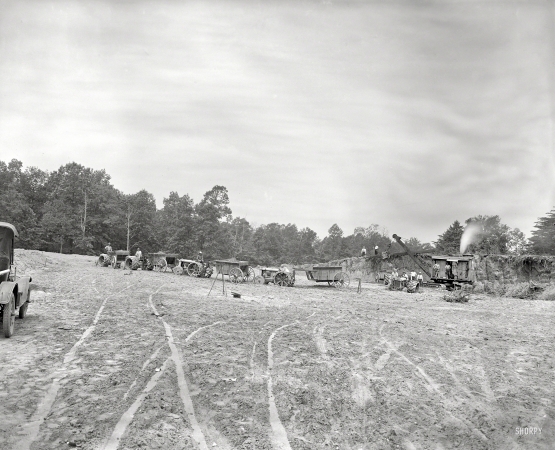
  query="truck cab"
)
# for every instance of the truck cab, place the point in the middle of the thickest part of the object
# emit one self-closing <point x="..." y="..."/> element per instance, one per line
<point x="453" y="270"/>
<point x="14" y="290"/>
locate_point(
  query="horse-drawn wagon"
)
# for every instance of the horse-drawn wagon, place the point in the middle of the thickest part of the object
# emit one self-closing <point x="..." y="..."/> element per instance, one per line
<point x="333" y="275"/>
<point x="237" y="271"/>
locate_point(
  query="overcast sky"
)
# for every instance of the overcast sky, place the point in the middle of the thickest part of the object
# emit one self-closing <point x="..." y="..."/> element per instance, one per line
<point x="406" y="114"/>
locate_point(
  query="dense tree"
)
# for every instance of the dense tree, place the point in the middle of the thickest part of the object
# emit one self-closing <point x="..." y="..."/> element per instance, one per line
<point x="76" y="209"/>
<point x="241" y="236"/>
<point x="176" y="224"/>
<point x="450" y="241"/>
<point x="493" y="238"/>
<point x="141" y="218"/>
<point x="20" y="200"/>
<point x="542" y="241"/>
<point x="212" y="209"/>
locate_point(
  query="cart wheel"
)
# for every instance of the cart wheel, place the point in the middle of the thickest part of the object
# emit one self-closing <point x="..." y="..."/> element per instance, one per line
<point x="178" y="270"/>
<point x="161" y="265"/>
<point x="281" y="279"/>
<point x="8" y="317"/>
<point x="249" y="277"/>
<point x="193" y="269"/>
<point x="341" y="280"/>
<point x="236" y="275"/>
<point x="259" y="280"/>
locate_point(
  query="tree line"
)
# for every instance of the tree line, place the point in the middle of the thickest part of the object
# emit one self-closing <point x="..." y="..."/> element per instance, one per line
<point x="76" y="209"/>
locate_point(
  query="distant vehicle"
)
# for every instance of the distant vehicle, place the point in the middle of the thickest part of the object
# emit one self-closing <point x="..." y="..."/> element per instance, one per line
<point x="454" y="271"/>
<point x="333" y="275"/>
<point x="275" y="275"/>
<point x="14" y="291"/>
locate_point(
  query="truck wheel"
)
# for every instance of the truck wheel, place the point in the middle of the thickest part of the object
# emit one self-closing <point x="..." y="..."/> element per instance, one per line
<point x="8" y="317"/>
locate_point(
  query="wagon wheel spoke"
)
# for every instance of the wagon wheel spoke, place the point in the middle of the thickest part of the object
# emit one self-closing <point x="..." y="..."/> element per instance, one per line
<point x="235" y="275"/>
<point x="161" y="265"/>
<point x="281" y="279"/>
<point x="341" y="280"/>
<point x="193" y="269"/>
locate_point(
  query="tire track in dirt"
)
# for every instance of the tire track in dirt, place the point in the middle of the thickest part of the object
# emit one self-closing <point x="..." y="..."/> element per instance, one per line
<point x="31" y="428"/>
<point x="145" y="365"/>
<point x="197" y="433"/>
<point x="279" y="434"/>
<point x="435" y="386"/>
<point x="127" y="417"/>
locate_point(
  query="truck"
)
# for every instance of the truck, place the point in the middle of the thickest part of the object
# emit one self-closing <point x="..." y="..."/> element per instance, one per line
<point x="15" y="291"/>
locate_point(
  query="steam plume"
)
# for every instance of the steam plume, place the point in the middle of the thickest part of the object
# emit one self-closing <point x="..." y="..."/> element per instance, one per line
<point x="470" y="234"/>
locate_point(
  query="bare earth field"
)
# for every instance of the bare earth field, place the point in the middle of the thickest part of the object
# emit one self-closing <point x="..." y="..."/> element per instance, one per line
<point x="108" y="359"/>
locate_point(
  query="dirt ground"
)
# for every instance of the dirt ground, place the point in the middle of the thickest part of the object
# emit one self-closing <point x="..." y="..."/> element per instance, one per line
<point x="108" y="359"/>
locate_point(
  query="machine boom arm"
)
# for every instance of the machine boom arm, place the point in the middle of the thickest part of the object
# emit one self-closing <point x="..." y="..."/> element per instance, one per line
<point x="411" y="254"/>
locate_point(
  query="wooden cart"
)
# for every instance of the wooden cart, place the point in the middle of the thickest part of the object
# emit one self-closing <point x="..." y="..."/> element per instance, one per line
<point x="161" y="261"/>
<point x="333" y="275"/>
<point x="237" y="271"/>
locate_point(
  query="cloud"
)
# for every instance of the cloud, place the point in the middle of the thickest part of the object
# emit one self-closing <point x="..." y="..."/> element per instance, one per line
<point x="407" y="115"/>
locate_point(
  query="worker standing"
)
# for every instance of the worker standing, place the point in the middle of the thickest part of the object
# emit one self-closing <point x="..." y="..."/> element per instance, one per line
<point x="420" y="278"/>
<point x="376" y="250"/>
<point x="108" y="248"/>
<point x="138" y="254"/>
<point x="363" y="252"/>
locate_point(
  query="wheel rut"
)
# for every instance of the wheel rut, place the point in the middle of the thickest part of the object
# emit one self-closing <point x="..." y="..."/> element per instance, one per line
<point x="32" y="427"/>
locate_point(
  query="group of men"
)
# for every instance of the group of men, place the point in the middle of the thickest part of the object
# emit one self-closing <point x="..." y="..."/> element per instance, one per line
<point x="411" y="276"/>
<point x="451" y="270"/>
<point x="363" y="251"/>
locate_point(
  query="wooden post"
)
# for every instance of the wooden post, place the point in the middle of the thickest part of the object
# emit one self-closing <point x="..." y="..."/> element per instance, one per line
<point x="213" y="283"/>
<point x="359" y="288"/>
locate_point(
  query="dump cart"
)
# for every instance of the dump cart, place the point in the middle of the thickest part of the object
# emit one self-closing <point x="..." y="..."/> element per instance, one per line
<point x="237" y="271"/>
<point x="333" y="275"/>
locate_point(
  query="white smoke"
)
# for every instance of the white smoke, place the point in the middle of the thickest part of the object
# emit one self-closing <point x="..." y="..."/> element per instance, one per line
<point x="470" y="234"/>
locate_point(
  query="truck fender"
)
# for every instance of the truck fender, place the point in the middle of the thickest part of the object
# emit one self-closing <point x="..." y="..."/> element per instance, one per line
<point x="7" y="288"/>
<point x="23" y="283"/>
